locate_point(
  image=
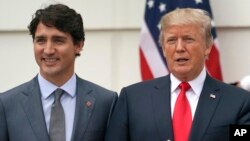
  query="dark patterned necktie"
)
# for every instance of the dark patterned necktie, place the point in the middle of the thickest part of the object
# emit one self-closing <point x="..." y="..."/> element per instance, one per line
<point x="57" y="118"/>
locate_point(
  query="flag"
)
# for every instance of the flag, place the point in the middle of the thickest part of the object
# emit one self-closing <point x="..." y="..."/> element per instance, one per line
<point x="152" y="61"/>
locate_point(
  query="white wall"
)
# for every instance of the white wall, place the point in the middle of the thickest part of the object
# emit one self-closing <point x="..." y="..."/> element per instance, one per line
<point x="110" y="56"/>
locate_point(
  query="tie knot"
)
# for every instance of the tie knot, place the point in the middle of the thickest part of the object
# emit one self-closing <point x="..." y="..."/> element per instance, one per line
<point x="58" y="94"/>
<point x="184" y="86"/>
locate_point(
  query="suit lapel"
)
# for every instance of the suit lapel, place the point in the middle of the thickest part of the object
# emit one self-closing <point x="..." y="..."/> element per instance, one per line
<point x="162" y="108"/>
<point x="85" y="103"/>
<point x="206" y="107"/>
<point x="32" y="105"/>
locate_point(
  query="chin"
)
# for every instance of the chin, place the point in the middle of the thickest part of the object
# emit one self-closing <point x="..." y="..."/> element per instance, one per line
<point x="182" y="73"/>
<point x="182" y="70"/>
<point x="49" y="72"/>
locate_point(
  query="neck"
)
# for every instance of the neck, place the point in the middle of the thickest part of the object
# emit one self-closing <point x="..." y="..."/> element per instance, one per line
<point x="58" y="80"/>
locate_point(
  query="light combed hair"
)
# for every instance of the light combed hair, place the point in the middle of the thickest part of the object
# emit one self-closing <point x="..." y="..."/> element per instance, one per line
<point x="186" y="16"/>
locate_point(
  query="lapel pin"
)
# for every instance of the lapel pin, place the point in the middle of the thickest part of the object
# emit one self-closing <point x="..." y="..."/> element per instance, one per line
<point x="88" y="103"/>
<point x="213" y="96"/>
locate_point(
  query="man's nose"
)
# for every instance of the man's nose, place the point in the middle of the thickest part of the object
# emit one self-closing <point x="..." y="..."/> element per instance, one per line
<point x="49" y="49"/>
<point x="180" y="45"/>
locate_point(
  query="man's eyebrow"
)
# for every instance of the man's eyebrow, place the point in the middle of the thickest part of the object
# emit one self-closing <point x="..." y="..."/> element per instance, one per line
<point x="53" y="37"/>
<point x="59" y="37"/>
<point x="39" y="37"/>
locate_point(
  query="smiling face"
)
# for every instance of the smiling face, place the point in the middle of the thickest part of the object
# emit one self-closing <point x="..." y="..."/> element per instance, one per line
<point x="55" y="53"/>
<point x="185" y="50"/>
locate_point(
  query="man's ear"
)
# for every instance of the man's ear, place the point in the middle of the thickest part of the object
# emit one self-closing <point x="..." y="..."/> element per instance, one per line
<point x="207" y="51"/>
<point x="163" y="50"/>
<point x="79" y="47"/>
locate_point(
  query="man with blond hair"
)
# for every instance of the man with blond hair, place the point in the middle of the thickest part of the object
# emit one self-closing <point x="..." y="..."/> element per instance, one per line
<point x="187" y="104"/>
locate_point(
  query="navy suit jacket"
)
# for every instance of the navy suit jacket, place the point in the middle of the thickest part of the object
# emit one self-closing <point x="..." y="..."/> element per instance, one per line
<point x="22" y="117"/>
<point x="143" y="112"/>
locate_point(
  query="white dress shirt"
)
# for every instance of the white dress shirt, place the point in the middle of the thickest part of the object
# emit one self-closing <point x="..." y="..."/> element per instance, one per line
<point x="192" y="94"/>
<point x="68" y="101"/>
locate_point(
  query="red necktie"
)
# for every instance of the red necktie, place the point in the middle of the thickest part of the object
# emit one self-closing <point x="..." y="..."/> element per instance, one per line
<point x="182" y="117"/>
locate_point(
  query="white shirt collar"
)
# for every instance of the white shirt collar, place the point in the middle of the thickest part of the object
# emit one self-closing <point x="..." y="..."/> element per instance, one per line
<point x="47" y="87"/>
<point x="196" y="84"/>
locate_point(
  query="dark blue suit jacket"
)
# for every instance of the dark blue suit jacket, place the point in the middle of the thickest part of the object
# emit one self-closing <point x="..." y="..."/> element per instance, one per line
<point x="143" y="112"/>
<point x="22" y="117"/>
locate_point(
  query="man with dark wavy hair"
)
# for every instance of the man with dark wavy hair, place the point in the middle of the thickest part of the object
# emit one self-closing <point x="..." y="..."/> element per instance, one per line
<point x="32" y="111"/>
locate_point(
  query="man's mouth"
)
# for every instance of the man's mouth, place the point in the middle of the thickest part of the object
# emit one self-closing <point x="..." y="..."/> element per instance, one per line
<point x="50" y="61"/>
<point x="182" y="59"/>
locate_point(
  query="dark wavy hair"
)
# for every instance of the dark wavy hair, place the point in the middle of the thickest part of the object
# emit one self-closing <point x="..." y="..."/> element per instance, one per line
<point x="62" y="18"/>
